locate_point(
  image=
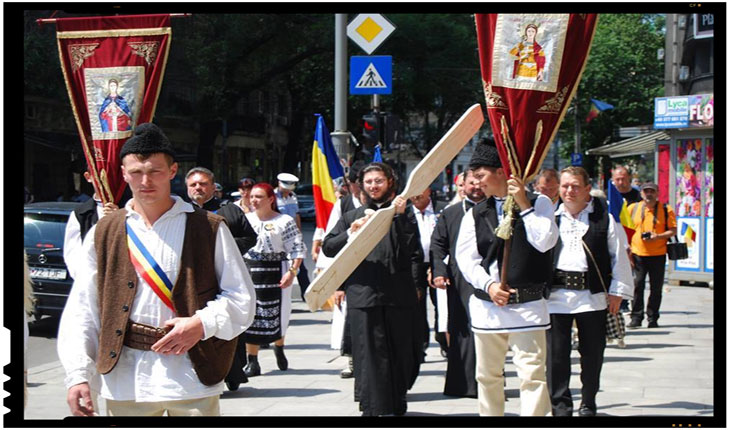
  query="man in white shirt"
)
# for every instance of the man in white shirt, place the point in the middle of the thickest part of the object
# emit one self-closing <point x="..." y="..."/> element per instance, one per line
<point x="79" y="223"/>
<point x="156" y="351"/>
<point x="426" y="212"/>
<point x="508" y="313"/>
<point x="592" y="273"/>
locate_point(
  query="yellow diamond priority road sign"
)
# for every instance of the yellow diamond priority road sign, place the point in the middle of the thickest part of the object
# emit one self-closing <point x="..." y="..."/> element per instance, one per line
<point x="369" y="30"/>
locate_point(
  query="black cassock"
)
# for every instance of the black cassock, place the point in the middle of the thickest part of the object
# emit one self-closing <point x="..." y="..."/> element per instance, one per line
<point x="461" y="358"/>
<point x="381" y="300"/>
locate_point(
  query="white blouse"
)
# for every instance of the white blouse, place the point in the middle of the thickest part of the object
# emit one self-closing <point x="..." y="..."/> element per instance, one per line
<point x="277" y="237"/>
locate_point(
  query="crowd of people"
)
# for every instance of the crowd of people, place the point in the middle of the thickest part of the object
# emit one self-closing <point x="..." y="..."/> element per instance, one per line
<point x="173" y="300"/>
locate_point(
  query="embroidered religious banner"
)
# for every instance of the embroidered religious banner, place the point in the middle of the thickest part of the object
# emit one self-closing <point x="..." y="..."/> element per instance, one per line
<point x="531" y="65"/>
<point x="113" y="68"/>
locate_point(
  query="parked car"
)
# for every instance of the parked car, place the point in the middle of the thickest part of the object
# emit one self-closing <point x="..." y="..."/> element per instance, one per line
<point x="44" y="226"/>
<point x="305" y="199"/>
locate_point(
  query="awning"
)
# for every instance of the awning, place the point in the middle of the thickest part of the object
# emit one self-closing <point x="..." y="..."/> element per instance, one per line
<point x="635" y="146"/>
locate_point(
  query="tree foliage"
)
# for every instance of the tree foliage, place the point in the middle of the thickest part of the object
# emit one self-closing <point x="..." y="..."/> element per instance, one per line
<point x="622" y="70"/>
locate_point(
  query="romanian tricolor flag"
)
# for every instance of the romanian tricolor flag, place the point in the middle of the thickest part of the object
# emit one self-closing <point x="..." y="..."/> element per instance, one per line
<point x="690" y="236"/>
<point x="325" y="168"/>
<point x="597" y="107"/>
<point x="619" y="210"/>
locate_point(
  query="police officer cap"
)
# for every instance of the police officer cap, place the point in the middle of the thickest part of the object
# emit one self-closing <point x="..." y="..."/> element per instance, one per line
<point x="287" y="180"/>
<point x="147" y="139"/>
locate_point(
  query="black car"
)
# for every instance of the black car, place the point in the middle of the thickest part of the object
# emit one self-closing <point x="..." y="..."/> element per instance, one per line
<point x="305" y="200"/>
<point x="44" y="226"/>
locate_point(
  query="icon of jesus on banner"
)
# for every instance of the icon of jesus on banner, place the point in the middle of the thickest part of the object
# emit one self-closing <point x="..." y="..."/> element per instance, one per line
<point x="114" y="114"/>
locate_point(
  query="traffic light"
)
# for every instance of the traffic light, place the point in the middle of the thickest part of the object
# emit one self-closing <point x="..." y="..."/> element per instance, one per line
<point x="392" y="130"/>
<point x="370" y="129"/>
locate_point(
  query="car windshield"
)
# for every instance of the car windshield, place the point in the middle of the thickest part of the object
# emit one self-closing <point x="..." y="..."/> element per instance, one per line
<point x="303" y="190"/>
<point x="44" y="230"/>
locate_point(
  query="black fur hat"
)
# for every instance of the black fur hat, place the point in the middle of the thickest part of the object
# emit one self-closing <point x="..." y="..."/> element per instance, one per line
<point x="485" y="155"/>
<point x="147" y="139"/>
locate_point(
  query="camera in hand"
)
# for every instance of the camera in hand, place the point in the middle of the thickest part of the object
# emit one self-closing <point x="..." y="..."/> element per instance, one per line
<point x="646" y="235"/>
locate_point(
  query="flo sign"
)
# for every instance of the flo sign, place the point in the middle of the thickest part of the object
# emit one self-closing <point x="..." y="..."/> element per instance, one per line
<point x="684" y="112"/>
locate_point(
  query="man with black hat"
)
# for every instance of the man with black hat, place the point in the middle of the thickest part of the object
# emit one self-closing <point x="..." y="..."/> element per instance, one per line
<point x="655" y="224"/>
<point x="157" y="348"/>
<point x="508" y="313"/>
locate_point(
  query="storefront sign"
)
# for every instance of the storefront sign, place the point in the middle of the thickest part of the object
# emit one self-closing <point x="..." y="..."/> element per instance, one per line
<point x="684" y="111"/>
<point x="704" y="25"/>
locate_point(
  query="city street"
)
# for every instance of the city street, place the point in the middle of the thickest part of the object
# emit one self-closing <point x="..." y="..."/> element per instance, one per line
<point x="668" y="371"/>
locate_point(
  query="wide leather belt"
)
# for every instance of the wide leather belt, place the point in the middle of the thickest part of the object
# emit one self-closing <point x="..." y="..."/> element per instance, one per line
<point x="524" y="294"/>
<point x="570" y="280"/>
<point x="143" y="336"/>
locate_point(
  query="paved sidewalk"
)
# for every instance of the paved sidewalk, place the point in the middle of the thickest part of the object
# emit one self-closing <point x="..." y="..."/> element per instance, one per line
<point x="667" y="371"/>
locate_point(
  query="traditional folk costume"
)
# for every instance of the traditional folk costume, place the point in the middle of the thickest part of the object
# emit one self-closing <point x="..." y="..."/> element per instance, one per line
<point x="519" y="325"/>
<point x="109" y="296"/>
<point x="578" y="294"/>
<point x="279" y="241"/>
<point x="381" y="301"/>
<point x="461" y="366"/>
<point x="134" y="279"/>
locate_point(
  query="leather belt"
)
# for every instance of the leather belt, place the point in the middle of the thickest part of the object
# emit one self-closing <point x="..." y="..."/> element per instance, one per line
<point x="570" y="280"/>
<point x="524" y="294"/>
<point x="143" y="336"/>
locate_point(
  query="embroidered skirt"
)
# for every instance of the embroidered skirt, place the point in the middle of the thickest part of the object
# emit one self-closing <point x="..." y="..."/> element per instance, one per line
<point x="266" y="327"/>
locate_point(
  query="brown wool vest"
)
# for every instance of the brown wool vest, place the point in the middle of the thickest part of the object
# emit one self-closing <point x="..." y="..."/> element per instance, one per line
<point x="196" y="285"/>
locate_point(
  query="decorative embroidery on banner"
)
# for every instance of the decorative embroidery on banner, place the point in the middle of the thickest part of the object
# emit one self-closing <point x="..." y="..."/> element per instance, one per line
<point x="114" y="98"/>
<point x="494" y="100"/>
<point x="79" y="53"/>
<point x="528" y="51"/>
<point x="146" y="50"/>
<point x="555" y="103"/>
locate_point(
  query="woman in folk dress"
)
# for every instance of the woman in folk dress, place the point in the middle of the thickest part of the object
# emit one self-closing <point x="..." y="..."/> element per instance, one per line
<point x="273" y="263"/>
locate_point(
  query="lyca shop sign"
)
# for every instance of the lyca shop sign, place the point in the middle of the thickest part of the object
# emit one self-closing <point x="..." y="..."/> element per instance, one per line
<point x="684" y="112"/>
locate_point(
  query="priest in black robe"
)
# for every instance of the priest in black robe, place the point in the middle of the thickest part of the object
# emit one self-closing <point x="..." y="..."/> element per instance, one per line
<point x="381" y="297"/>
<point x="461" y="366"/>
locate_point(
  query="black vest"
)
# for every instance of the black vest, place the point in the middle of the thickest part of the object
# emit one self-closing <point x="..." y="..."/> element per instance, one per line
<point x="596" y="238"/>
<point x="87" y="216"/>
<point x="527" y="267"/>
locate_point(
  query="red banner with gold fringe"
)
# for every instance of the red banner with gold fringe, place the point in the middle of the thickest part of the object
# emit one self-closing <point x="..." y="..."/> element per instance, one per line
<point x="113" y="68"/>
<point x="531" y="65"/>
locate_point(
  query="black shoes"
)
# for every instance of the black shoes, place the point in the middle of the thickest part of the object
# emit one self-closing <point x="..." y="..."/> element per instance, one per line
<point x="252" y="368"/>
<point x="586" y="411"/>
<point x="653" y="324"/>
<point x="281" y="360"/>
<point x="634" y="324"/>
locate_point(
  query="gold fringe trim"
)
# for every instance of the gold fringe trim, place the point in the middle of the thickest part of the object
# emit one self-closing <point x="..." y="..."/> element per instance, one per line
<point x="105" y="185"/>
<point x="114" y="33"/>
<point x="504" y="230"/>
<point x="538" y="135"/>
<point x="511" y="151"/>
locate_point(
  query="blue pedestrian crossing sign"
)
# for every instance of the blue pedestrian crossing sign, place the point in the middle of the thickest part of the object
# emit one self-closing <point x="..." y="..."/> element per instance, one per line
<point x="371" y="74"/>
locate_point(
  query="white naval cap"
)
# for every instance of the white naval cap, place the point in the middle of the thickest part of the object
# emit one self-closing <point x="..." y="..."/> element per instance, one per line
<point x="287" y="180"/>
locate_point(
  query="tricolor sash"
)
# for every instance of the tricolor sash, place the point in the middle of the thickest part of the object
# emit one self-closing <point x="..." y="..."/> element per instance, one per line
<point x="148" y="269"/>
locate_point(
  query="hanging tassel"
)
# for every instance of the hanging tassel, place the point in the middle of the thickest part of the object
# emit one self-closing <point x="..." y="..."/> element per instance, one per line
<point x="504" y="230"/>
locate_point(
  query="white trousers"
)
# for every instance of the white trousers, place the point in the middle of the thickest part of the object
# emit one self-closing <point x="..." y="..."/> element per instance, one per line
<point x="530" y="353"/>
<point x="206" y="406"/>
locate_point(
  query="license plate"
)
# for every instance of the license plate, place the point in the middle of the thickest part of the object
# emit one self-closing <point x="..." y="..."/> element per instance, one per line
<point x="48" y="273"/>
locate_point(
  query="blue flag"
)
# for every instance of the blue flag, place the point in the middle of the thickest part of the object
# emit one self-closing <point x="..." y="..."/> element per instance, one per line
<point x="377" y="157"/>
